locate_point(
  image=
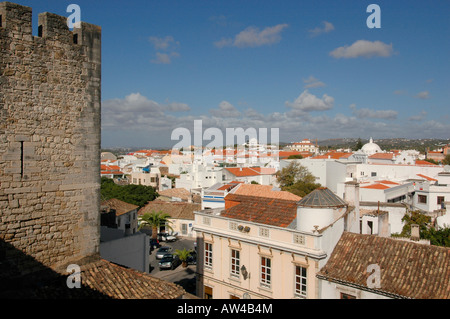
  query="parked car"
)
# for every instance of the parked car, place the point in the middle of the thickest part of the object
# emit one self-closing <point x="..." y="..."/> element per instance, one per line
<point x="166" y="237"/>
<point x="169" y="261"/>
<point x="163" y="251"/>
<point x="192" y="259"/>
<point x="154" y="243"/>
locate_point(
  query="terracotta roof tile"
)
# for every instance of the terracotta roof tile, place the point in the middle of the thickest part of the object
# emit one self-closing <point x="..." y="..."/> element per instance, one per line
<point x="427" y="178"/>
<point x="120" y="206"/>
<point x="263" y="191"/>
<point x="408" y="270"/>
<point x="382" y="156"/>
<point x="250" y="171"/>
<point x="270" y="211"/>
<point x="100" y="279"/>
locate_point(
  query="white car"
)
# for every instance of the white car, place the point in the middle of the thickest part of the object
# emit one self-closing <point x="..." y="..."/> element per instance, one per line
<point x="166" y="237"/>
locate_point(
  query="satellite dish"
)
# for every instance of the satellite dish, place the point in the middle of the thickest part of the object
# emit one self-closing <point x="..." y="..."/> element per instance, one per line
<point x="447" y="168"/>
<point x="246" y="296"/>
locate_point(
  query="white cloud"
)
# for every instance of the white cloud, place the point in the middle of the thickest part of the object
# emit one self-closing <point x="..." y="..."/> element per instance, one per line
<point x="225" y="110"/>
<point x="167" y="44"/>
<point x="308" y="102"/>
<point x="254" y="37"/>
<point x="327" y="27"/>
<point x="424" y="95"/>
<point x="374" y="114"/>
<point x="312" y="82"/>
<point x="164" y="43"/>
<point x="418" y="117"/>
<point x="223" y="43"/>
<point x="139" y="120"/>
<point x="164" y="58"/>
<point x="363" y="48"/>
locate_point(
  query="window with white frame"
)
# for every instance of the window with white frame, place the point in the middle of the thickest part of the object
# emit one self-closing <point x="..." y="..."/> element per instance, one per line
<point x="265" y="272"/>
<point x="235" y="263"/>
<point x="300" y="281"/>
<point x="208" y="255"/>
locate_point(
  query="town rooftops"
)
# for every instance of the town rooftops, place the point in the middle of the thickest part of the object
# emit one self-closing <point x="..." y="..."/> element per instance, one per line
<point x="100" y="279"/>
<point x="389" y="156"/>
<point x="427" y="178"/>
<point x="250" y="171"/>
<point x="322" y="197"/>
<point x="269" y="211"/>
<point x="407" y="269"/>
<point x="267" y="191"/>
<point x="119" y="206"/>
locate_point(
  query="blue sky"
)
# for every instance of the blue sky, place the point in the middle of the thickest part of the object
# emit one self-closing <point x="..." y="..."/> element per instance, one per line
<point x="313" y="69"/>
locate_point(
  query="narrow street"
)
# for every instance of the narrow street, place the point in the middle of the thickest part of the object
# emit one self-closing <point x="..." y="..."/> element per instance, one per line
<point x="184" y="277"/>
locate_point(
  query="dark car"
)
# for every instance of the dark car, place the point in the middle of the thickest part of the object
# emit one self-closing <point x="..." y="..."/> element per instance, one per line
<point x="154" y="243"/>
<point x="192" y="259"/>
<point x="169" y="261"/>
<point x="162" y="251"/>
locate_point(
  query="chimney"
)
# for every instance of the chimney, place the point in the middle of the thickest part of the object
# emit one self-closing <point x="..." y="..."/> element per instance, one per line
<point x="351" y="195"/>
<point x="415" y="232"/>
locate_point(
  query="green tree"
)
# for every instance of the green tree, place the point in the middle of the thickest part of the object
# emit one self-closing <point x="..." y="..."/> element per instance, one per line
<point x="297" y="179"/>
<point x="138" y="195"/>
<point x="446" y="160"/>
<point x="430" y="160"/>
<point x="439" y="237"/>
<point x="414" y="217"/>
<point x="297" y="156"/>
<point x="359" y="145"/>
<point x="155" y="220"/>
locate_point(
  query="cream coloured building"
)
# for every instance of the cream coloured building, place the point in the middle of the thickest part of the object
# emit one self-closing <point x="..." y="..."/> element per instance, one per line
<point x="304" y="146"/>
<point x="263" y="248"/>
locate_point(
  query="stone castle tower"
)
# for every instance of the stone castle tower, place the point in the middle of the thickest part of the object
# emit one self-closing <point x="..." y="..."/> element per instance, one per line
<point x="50" y="100"/>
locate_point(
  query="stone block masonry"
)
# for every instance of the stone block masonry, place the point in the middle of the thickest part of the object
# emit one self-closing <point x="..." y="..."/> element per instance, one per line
<point x="50" y="100"/>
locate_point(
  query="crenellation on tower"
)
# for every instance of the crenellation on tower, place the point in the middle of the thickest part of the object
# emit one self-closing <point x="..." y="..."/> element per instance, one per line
<point x="17" y="19"/>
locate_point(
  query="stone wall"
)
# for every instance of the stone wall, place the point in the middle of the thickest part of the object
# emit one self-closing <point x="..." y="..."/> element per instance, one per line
<point x="50" y="99"/>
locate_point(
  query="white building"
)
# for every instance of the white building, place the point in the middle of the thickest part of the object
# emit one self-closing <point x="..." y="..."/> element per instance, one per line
<point x="304" y="146"/>
<point x="199" y="176"/>
<point x="431" y="194"/>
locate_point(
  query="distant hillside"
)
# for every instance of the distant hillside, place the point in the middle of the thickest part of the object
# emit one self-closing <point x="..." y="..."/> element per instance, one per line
<point x="386" y="144"/>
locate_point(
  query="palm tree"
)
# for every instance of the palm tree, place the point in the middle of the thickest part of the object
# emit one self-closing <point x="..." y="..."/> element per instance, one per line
<point x="183" y="255"/>
<point x="155" y="220"/>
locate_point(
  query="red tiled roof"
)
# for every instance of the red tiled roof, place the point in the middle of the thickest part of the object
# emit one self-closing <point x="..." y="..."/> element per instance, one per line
<point x="100" y="279"/>
<point x="376" y="186"/>
<point x="427" y="178"/>
<point x="388" y="182"/>
<point x="382" y="156"/>
<point x="264" y="191"/>
<point x="176" y="210"/>
<point x="270" y="211"/>
<point x="407" y="269"/>
<point x="419" y="162"/>
<point x="121" y="207"/>
<point x="250" y="171"/>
